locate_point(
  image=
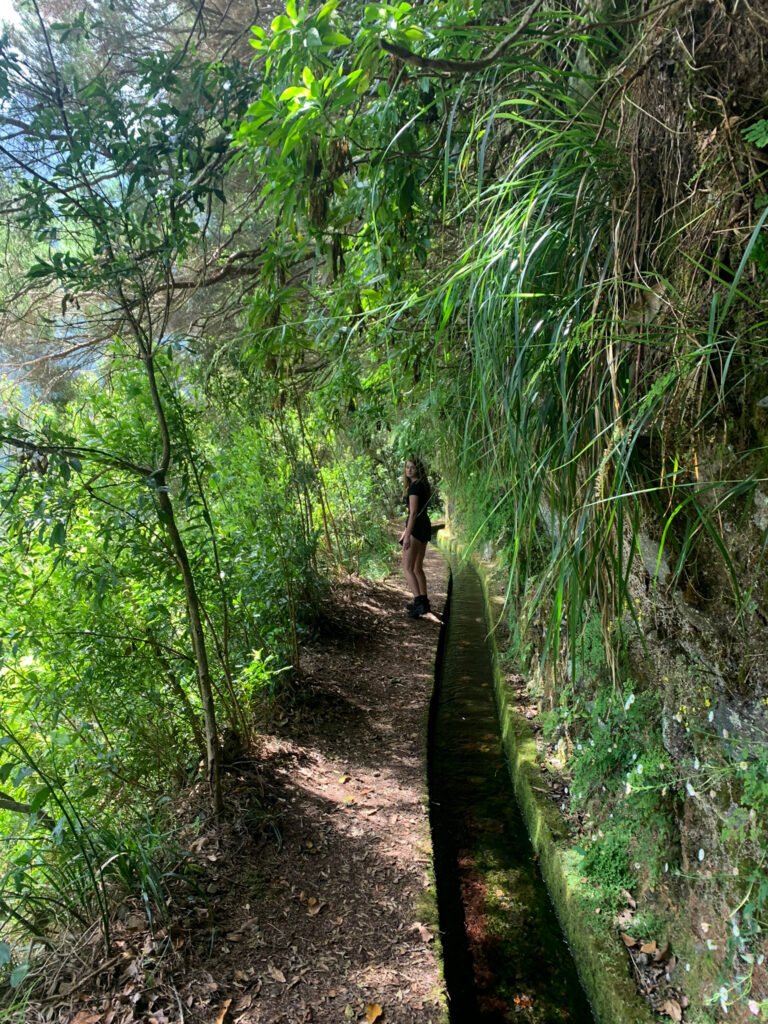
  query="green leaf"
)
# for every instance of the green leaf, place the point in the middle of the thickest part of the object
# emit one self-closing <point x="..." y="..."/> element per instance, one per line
<point x="22" y="773"/>
<point x="41" y="269"/>
<point x="291" y="91"/>
<point x="39" y="799"/>
<point x="281" y="24"/>
<point x="5" y="954"/>
<point x="335" y="39"/>
<point x="58" y="535"/>
<point x="757" y="133"/>
<point x="18" y="974"/>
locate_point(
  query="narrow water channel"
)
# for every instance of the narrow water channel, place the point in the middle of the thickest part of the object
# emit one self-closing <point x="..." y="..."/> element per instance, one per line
<point x="505" y="956"/>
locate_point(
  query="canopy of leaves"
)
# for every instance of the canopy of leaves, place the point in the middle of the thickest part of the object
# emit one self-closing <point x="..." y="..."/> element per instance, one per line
<point x="518" y="241"/>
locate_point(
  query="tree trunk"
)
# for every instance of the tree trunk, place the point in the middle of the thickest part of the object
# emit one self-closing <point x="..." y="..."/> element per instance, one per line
<point x="186" y="708"/>
<point x="194" y="616"/>
<point x="213" y="747"/>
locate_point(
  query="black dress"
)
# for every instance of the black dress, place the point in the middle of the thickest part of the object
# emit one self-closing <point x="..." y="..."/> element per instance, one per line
<point x="422" y="527"/>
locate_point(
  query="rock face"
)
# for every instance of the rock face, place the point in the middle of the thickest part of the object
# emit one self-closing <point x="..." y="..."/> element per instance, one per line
<point x="687" y="778"/>
<point x="702" y="647"/>
<point x="655" y="697"/>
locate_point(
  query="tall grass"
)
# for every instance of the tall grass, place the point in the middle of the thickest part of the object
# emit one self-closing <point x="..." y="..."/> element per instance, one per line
<point x="587" y="382"/>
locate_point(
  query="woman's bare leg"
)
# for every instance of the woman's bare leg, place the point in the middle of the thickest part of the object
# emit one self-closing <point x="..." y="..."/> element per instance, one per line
<point x="409" y="557"/>
<point x="418" y="567"/>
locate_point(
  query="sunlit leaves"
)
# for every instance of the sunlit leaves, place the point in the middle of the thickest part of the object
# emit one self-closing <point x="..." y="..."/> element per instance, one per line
<point x="130" y="166"/>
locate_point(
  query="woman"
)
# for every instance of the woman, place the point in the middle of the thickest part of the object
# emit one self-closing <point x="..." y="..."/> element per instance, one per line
<point x="418" y="530"/>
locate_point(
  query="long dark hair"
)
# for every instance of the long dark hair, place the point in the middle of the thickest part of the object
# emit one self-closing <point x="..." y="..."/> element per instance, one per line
<point x="421" y="476"/>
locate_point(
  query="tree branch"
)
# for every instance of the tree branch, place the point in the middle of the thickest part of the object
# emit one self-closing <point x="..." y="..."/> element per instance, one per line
<point x="75" y="452"/>
<point x="461" y="67"/>
<point x="7" y="803"/>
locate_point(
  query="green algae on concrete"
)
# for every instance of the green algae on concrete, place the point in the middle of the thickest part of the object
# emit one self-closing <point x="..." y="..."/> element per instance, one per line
<point x="601" y="961"/>
<point x="504" y="951"/>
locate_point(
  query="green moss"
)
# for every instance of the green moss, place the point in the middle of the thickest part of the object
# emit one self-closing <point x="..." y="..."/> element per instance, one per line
<point x="608" y="861"/>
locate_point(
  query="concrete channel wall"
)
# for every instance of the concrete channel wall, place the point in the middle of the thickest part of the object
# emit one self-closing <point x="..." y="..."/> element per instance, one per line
<point x="601" y="961"/>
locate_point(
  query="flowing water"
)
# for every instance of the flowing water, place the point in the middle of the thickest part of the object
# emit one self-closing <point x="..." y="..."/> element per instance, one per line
<point x="505" y="956"/>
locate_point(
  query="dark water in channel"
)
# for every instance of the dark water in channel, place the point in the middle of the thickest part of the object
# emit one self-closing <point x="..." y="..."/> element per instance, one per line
<point x="505" y="956"/>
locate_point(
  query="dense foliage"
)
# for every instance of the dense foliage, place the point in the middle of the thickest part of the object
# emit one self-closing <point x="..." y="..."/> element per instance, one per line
<point x="528" y="244"/>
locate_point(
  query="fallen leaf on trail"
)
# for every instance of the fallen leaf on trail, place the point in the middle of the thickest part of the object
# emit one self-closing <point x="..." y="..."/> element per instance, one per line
<point x="136" y="922"/>
<point x="671" y="1008"/>
<point x="648" y="947"/>
<point x="628" y="940"/>
<point x="371" y="810"/>
<point x="629" y="898"/>
<point x="343" y="778"/>
<point x="314" y="906"/>
<point x="222" y="1012"/>
<point x="424" y="933"/>
<point x="277" y="974"/>
<point x="132" y="970"/>
<point x="235" y="936"/>
<point x="662" y="953"/>
<point x="243" y="1003"/>
<point x="86" y="1017"/>
<point x="373" y="1012"/>
<point x="349" y="799"/>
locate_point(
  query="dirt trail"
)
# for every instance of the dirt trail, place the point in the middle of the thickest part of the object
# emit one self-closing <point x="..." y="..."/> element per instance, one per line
<point x="330" y="922"/>
<point x="311" y="898"/>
